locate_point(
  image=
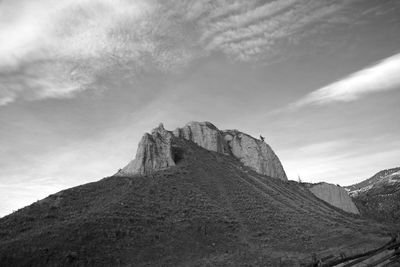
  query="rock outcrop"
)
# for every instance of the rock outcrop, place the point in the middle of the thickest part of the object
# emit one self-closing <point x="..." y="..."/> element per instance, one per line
<point x="255" y="154"/>
<point x="334" y="195"/>
<point x="205" y="134"/>
<point x="154" y="153"/>
<point x="155" y="150"/>
<point x="252" y="152"/>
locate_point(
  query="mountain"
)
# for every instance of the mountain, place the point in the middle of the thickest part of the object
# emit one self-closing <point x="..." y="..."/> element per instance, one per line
<point x="156" y="152"/>
<point x="180" y="204"/>
<point x="379" y="196"/>
<point x="384" y="176"/>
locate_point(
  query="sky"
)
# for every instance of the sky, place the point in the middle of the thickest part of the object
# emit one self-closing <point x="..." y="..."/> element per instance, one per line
<point x="82" y="80"/>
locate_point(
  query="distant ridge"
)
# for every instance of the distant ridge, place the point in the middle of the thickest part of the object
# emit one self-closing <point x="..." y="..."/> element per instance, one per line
<point x="376" y="178"/>
<point x="379" y="196"/>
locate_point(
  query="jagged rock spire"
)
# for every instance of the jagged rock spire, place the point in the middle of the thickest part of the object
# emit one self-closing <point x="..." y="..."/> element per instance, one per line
<point x="154" y="153"/>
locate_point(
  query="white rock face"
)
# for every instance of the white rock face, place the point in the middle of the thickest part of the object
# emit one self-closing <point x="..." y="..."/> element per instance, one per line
<point x="155" y="150"/>
<point x="205" y="134"/>
<point x="154" y="153"/>
<point x="255" y="153"/>
<point x="250" y="151"/>
<point x="334" y="195"/>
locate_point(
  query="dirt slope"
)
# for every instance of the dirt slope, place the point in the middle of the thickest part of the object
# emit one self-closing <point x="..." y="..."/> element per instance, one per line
<point x="207" y="210"/>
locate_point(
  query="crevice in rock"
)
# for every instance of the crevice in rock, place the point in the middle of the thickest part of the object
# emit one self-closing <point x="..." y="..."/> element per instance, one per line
<point x="177" y="154"/>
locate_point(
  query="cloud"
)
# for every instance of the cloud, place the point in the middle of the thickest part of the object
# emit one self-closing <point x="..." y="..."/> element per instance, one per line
<point x="59" y="53"/>
<point x="332" y="162"/>
<point x="56" y="49"/>
<point x="382" y="76"/>
<point x="261" y="32"/>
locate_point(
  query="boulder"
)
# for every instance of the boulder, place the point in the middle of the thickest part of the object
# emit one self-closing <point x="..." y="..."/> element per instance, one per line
<point x="335" y="195"/>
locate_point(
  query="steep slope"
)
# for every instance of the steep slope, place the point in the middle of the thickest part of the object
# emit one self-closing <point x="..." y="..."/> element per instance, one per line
<point x="208" y="209"/>
<point x="334" y="195"/>
<point x="379" y="196"/>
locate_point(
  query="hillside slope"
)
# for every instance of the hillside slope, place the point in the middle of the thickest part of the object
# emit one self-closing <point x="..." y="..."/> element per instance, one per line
<point x="375" y="179"/>
<point x="208" y="209"/>
<point x="379" y="196"/>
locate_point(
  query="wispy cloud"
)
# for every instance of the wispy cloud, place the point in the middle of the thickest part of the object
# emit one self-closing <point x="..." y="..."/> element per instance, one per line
<point x="53" y="49"/>
<point x="261" y="31"/>
<point x="382" y="76"/>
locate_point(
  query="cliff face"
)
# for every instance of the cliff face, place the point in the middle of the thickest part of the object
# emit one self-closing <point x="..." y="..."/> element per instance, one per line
<point x="154" y="153"/>
<point x="334" y="195"/>
<point x="250" y="151"/>
<point x="255" y="153"/>
<point x="205" y="134"/>
<point x="155" y="150"/>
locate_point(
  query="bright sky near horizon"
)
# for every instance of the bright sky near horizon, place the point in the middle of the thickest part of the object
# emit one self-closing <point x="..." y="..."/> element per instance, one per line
<point x="82" y="80"/>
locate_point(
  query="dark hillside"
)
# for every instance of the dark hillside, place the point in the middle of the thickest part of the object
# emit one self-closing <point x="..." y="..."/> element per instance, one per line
<point x="373" y="180"/>
<point x="207" y="210"/>
<point x="382" y="204"/>
<point x="379" y="196"/>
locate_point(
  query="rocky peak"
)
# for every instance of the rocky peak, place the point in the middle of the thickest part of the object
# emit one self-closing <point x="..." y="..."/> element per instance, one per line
<point x="155" y="149"/>
<point x="160" y="129"/>
<point x="154" y="153"/>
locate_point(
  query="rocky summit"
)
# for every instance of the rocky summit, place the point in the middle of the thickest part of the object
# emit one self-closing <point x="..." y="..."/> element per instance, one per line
<point x="156" y="151"/>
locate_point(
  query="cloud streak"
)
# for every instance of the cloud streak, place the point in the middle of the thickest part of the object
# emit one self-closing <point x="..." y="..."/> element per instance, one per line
<point x="56" y="49"/>
<point x="262" y="31"/>
<point x="382" y="76"/>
